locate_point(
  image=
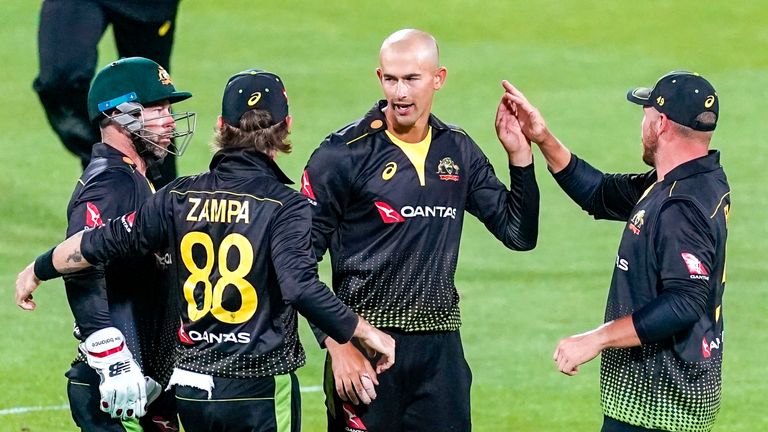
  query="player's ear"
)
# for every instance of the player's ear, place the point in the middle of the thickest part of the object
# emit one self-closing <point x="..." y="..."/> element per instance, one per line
<point x="288" y="122"/>
<point x="379" y="74"/>
<point x="439" y="78"/>
<point x="219" y="123"/>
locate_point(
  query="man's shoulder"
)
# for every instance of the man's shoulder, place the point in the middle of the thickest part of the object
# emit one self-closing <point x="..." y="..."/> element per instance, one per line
<point x="371" y="123"/>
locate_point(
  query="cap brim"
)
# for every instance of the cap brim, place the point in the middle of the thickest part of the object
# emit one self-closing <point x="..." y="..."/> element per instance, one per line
<point x="640" y="96"/>
<point x="179" y="96"/>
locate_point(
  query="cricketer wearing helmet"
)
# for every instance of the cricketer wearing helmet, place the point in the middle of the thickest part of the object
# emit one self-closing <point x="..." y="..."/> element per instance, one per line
<point x="126" y="325"/>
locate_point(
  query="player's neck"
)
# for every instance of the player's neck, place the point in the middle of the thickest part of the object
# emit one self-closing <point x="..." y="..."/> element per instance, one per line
<point x="122" y="143"/>
<point x="674" y="154"/>
<point x="412" y="134"/>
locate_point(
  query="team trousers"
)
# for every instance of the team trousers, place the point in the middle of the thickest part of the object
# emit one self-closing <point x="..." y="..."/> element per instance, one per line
<point x="267" y="404"/>
<point x="427" y="389"/>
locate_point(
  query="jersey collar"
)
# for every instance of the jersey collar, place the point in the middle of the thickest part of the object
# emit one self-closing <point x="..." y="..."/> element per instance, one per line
<point x="710" y="162"/>
<point x="248" y="162"/>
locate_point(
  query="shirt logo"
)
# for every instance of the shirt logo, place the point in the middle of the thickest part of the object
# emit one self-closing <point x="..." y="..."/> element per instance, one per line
<point x="389" y="170"/>
<point x="184" y="337"/>
<point x="92" y="216"/>
<point x="387" y="213"/>
<point x="306" y="188"/>
<point x="695" y="266"/>
<point x="127" y="221"/>
<point x="354" y="423"/>
<point x="448" y="170"/>
<point x="636" y="222"/>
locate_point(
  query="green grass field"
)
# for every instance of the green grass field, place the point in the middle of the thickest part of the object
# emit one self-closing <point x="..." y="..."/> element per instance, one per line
<point x="575" y="60"/>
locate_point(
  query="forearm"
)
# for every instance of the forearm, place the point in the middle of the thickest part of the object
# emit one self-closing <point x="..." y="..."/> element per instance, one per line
<point x="63" y="259"/>
<point x="555" y="153"/>
<point x="619" y="333"/>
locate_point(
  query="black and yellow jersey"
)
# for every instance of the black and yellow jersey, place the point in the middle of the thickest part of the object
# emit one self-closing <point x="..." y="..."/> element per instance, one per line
<point x="391" y="214"/>
<point x="240" y="242"/>
<point x="127" y="292"/>
<point x="669" y="275"/>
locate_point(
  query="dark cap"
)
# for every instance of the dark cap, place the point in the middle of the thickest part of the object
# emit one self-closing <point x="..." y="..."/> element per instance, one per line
<point x="682" y="96"/>
<point x="251" y="90"/>
<point x="132" y="79"/>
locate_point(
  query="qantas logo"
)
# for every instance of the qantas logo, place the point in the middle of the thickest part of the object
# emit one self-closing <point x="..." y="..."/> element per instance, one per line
<point x="695" y="266"/>
<point x="164" y="425"/>
<point x="92" y="216"/>
<point x="354" y="423"/>
<point x="388" y="214"/>
<point x="184" y="337"/>
<point x="707" y="347"/>
<point x="306" y="188"/>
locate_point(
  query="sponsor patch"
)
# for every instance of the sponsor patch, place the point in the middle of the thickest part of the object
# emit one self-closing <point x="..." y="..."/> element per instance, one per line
<point x="695" y="266"/>
<point x="354" y="423"/>
<point x="92" y="216"/>
<point x="306" y="188"/>
<point x="388" y="214"/>
<point x="127" y="221"/>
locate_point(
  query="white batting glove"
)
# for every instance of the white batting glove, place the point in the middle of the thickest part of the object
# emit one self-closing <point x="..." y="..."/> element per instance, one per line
<point x="123" y="388"/>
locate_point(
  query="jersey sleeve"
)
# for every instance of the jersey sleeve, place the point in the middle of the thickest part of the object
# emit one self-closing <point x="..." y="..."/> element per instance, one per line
<point x="105" y="197"/>
<point x="136" y="233"/>
<point x="685" y="252"/>
<point x="604" y="196"/>
<point x="511" y="215"/>
<point x="296" y="268"/>
<point x="326" y="183"/>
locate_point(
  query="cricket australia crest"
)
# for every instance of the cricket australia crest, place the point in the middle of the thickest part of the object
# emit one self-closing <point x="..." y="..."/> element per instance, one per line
<point x="636" y="222"/>
<point x="448" y="170"/>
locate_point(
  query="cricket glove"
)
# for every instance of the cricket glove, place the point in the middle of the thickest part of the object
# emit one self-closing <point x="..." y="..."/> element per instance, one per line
<point x="123" y="388"/>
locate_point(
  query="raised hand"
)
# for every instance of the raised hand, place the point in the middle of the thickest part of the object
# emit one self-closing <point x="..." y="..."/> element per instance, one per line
<point x="530" y="120"/>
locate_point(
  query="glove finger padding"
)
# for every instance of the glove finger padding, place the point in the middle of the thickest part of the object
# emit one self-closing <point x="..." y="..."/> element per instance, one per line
<point x="122" y="387"/>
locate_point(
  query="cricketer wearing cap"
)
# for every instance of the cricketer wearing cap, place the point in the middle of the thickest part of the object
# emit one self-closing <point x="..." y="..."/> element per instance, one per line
<point x="662" y="341"/>
<point x="120" y="302"/>
<point x="389" y="193"/>
<point x="243" y="264"/>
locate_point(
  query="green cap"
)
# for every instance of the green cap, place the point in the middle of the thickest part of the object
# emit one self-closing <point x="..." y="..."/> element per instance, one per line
<point x="132" y="79"/>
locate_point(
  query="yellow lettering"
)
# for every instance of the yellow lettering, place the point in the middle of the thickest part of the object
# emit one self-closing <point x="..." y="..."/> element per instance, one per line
<point x="204" y="215"/>
<point x="195" y="203"/>
<point x="218" y="210"/>
<point x="244" y="214"/>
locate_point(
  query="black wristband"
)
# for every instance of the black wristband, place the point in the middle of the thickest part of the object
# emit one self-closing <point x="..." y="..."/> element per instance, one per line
<point x="44" y="269"/>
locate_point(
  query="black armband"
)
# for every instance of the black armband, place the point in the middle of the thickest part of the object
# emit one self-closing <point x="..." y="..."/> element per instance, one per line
<point x="44" y="269"/>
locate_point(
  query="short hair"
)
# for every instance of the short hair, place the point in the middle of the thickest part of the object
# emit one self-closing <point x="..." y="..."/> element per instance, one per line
<point x="255" y="131"/>
<point x="707" y="119"/>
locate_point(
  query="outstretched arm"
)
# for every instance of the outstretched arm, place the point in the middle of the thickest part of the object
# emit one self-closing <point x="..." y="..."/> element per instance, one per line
<point x="64" y="258"/>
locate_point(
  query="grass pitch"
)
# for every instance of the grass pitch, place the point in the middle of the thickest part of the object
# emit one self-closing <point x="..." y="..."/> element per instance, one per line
<point x="575" y="60"/>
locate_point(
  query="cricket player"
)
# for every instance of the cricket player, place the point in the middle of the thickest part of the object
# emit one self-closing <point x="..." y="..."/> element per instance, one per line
<point x="388" y="194"/>
<point x="662" y="341"/>
<point x="130" y="101"/>
<point x="68" y="36"/>
<point x="240" y="243"/>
